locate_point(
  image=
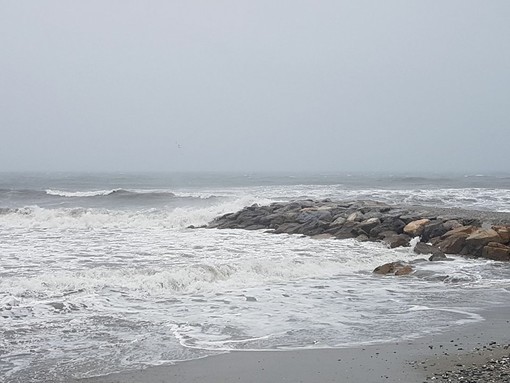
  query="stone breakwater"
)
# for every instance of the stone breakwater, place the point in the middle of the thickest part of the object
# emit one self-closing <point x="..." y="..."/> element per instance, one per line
<point x="440" y="230"/>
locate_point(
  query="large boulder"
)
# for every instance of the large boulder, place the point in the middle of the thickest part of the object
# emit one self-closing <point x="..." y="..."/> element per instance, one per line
<point x="460" y="230"/>
<point x="218" y="222"/>
<point x="424" y="248"/>
<point x="415" y="228"/>
<point x="249" y="216"/>
<point x="368" y="225"/>
<point x="452" y="224"/>
<point x="496" y="251"/>
<point x="272" y="220"/>
<point x="386" y="233"/>
<point x="388" y="224"/>
<point x="307" y="203"/>
<point x="481" y="237"/>
<point x="355" y="216"/>
<point x="307" y="215"/>
<point x="394" y="268"/>
<point x="292" y="206"/>
<point x="348" y="230"/>
<point x="288" y="227"/>
<point x="314" y="228"/>
<point x="397" y="240"/>
<point x="453" y="241"/>
<point x="453" y="244"/>
<point x="503" y="232"/>
<point x="373" y="214"/>
<point x="433" y="229"/>
<point x="362" y="238"/>
<point x="339" y="221"/>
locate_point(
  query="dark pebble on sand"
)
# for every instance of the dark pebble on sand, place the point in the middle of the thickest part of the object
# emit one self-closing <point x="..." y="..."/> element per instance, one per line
<point x="494" y="371"/>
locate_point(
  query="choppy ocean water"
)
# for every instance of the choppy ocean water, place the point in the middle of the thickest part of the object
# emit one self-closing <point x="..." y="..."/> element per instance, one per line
<point x="99" y="273"/>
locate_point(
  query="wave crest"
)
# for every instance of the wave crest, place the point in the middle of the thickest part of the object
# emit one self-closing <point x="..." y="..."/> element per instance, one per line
<point x="110" y="192"/>
<point x="93" y="193"/>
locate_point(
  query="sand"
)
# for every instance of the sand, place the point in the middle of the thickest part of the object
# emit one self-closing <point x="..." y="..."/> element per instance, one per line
<point x="417" y="360"/>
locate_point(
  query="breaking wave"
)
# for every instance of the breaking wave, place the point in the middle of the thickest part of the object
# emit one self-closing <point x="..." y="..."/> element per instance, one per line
<point x="93" y="193"/>
<point x="121" y="193"/>
<point x="89" y="218"/>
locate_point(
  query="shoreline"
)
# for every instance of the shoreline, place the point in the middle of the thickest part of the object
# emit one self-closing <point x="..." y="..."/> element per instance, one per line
<point x="428" y="358"/>
<point x="418" y="360"/>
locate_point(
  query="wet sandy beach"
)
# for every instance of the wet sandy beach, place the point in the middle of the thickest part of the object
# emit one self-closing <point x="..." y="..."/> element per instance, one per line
<point x="416" y="360"/>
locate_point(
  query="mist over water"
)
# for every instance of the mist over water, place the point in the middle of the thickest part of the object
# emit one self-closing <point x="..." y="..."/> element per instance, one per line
<point x="99" y="273"/>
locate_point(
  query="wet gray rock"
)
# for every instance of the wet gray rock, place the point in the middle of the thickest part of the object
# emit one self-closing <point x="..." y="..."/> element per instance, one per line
<point x="339" y="221"/>
<point x="362" y="238"/>
<point x="435" y="253"/>
<point x="390" y="223"/>
<point x="348" y="230"/>
<point x="397" y="240"/>
<point x="438" y="257"/>
<point x="355" y="216"/>
<point x="433" y="229"/>
<point x="451" y="224"/>
<point x="368" y="225"/>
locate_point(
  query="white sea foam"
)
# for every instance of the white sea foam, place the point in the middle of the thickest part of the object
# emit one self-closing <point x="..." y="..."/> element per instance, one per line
<point x="465" y="316"/>
<point x="210" y="268"/>
<point x="155" y="291"/>
<point x="413" y="242"/>
<point x="180" y="217"/>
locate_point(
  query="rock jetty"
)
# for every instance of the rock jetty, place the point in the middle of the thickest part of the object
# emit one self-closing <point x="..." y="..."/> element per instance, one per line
<point x="440" y="230"/>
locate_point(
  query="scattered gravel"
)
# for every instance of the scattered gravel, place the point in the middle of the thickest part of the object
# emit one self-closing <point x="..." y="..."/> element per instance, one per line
<point x="492" y="371"/>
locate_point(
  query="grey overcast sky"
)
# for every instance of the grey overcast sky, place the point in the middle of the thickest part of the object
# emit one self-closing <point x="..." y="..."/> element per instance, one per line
<point x="255" y="85"/>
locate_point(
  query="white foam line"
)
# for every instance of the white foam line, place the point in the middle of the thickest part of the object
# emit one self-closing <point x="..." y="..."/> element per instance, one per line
<point x="472" y="317"/>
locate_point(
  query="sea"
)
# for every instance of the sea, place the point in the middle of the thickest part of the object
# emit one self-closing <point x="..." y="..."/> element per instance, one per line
<point x="100" y="272"/>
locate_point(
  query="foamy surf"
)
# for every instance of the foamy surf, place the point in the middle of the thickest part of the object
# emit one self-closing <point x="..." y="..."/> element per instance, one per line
<point x="79" y="217"/>
<point x="206" y="291"/>
<point x="97" y="277"/>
